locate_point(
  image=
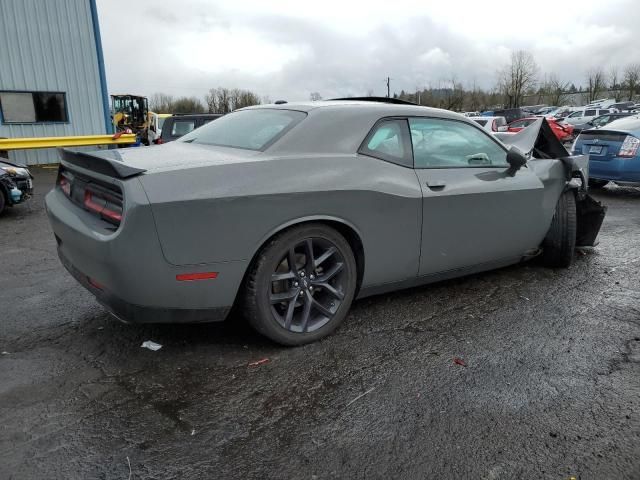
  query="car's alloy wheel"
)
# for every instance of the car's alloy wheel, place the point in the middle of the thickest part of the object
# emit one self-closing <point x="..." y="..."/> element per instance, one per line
<point x="308" y="285"/>
<point x="302" y="285"/>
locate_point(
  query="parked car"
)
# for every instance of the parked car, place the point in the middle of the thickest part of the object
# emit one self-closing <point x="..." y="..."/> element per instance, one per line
<point x="601" y="103"/>
<point x="291" y="211"/>
<point x="562" y="132"/>
<point x="16" y="184"/>
<point x="623" y="106"/>
<point x="585" y="115"/>
<point x="600" y="121"/>
<point x="614" y="152"/>
<point x="491" y="124"/>
<point x="156" y="122"/>
<point x="176" y="126"/>
<point x="510" y="114"/>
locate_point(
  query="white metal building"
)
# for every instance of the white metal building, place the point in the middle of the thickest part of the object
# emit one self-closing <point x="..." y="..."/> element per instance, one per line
<point x="52" y="80"/>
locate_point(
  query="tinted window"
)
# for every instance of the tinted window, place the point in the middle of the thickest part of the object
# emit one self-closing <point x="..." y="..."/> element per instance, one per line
<point x="481" y="122"/>
<point x="387" y="141"/>
<point x="446" y="143"/>
<point x="182" y="127"/>
<point x="575" y="115"/>
<point x="601" y="120"/>
<point x="33" y="107"/>
<point x="590" y="113"/>
<point x="521" y="123"/>
<point x="253" y="129"/>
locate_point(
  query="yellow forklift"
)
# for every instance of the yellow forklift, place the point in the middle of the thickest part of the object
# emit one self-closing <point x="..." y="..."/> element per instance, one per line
<point x="131" y="112"/>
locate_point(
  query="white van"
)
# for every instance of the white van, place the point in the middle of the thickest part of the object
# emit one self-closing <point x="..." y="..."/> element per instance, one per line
<point x="585" y="115"/>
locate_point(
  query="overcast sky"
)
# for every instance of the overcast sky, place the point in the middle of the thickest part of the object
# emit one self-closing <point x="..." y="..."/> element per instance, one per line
<point x="288" y="49"/>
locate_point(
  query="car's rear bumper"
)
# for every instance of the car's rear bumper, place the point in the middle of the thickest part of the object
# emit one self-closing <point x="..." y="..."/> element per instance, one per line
<point x="126" y="269"/>
<point x="131" y="313"/>
<point x="615" y="169"/>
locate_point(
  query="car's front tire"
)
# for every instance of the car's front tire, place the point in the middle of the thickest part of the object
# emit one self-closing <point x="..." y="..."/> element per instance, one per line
<point x="560" y="242"/>
<point x="301" y="285"/>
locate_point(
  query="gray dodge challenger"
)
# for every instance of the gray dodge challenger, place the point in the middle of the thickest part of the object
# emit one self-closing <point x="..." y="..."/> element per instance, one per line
<point x="289" y="212"/>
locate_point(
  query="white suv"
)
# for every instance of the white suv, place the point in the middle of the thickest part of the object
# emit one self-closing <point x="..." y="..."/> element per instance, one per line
<point x="491" y="124"/>
<point x="586" y="115"/>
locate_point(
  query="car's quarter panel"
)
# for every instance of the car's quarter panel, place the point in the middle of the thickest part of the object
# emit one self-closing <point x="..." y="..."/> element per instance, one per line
<point x="224" y="213"/>
<point x="128" y="262"/>
<point x="479" y="215"/>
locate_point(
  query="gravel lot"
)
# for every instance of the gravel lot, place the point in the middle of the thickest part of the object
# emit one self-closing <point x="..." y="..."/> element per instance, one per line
<point x="551" y="386"/>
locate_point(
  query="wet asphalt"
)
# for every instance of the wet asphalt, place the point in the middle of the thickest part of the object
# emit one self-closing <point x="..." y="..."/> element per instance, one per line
<point x="523" y="372"/>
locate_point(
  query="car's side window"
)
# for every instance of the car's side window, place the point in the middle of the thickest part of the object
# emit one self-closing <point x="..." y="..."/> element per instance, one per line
<point x="182" y="127"/>
<point x="388" y="141"/>
<point x="439" y="143"/>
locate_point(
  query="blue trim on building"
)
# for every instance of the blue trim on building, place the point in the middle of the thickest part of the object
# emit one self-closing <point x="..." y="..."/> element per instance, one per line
<point x="103" y="77"/>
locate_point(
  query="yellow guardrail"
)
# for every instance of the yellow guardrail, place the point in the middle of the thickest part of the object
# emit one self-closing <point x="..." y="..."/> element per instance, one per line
<point x="76" y="141"/>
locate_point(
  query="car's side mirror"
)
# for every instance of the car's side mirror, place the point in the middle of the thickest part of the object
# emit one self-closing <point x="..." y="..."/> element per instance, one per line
<point x="503" y="128"/>
<point x="516" y="160"/>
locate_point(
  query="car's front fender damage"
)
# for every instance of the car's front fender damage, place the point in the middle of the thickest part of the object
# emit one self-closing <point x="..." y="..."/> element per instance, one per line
<point x="538" y="142"/>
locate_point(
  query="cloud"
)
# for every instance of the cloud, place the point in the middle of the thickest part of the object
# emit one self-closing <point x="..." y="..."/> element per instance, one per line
<point x="287" y="49"/>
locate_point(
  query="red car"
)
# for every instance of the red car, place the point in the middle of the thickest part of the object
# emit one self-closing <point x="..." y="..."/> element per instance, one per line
<point x="562" y="132"/>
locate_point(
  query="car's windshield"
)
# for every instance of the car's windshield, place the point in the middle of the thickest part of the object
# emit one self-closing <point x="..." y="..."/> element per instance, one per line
<point x="253" y="129"/>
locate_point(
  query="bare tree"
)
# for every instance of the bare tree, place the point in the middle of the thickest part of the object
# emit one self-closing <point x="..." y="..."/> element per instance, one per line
<point x="161" y="103"/>
<point x="453" y="95"/>
<point x="315" y="96"/>
<point x="555" y="90"/>
<point x="595" y="83"/>
<point x="632" y="79"/>
<point x="225" y="100"/>
<point x="518" y="77"/>
<point x="614" y="83"/>
<point x="188" y="105"/>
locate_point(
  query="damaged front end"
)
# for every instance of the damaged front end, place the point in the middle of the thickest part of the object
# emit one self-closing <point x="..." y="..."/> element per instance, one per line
<point x="16" y="183"/>
<point x="538" y="142"/>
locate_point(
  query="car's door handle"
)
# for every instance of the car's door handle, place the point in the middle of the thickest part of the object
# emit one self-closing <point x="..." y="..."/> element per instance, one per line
<point x="436" y="184"/>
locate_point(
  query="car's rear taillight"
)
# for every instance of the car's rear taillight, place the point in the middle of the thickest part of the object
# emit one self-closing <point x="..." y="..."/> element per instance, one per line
<point x="65" y="185"/>
<point x="629" y="147"/>
<point x="108" y="206"/>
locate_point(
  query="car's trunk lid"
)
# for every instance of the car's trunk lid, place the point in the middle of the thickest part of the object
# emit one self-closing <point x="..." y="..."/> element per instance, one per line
<point x="128" y="162"/>
<point x="601" y="145"/>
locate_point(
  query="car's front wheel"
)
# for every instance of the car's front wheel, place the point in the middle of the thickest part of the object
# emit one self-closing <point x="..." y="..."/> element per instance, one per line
<point x="560" y="242"/>
<point x="301" y="285"/>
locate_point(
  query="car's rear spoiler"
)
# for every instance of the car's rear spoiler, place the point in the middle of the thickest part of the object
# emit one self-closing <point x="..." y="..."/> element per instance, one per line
<point x="106" y="162"/>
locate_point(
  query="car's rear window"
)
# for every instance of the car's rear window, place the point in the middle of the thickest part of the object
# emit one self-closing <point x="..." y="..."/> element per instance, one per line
<point x="480" y="122"/>
<point x="253" y="129"/>
<point x="182" y="127"/>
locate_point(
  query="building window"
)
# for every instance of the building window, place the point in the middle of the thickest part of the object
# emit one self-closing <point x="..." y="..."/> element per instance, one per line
<point x="33" y="107"/>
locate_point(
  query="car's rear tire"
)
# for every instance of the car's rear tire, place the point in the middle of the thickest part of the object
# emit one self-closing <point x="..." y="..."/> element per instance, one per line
<point x="593" y="183"/>
<point x="293" y="300"/>
<point x="560" y="243"/>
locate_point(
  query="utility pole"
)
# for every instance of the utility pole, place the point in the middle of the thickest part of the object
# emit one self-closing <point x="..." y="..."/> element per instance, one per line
<point x="388" y="88"/>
